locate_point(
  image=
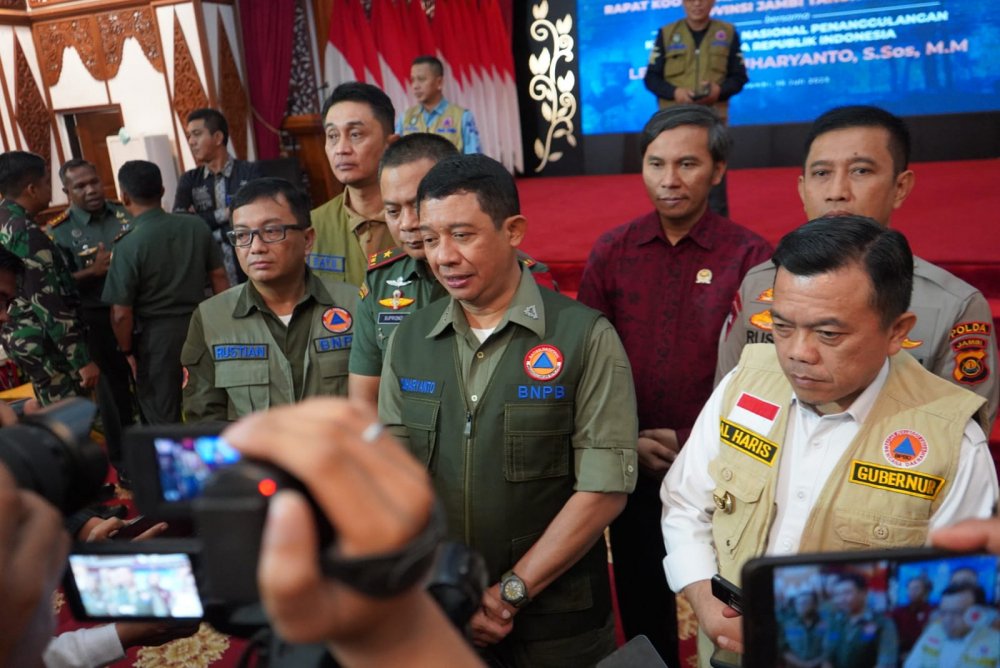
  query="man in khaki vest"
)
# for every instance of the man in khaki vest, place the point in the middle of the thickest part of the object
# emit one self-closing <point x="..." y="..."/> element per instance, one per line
<point x="520" y="403"/>
<point x="832" y="439"/>
<point x="282" y="336"/>
<point x="857" y="162"/>
<point x="350" y="228"/>
<point x="684" y="68"/>
<point x="962" y="633"/>
<point x="435" y="114"/>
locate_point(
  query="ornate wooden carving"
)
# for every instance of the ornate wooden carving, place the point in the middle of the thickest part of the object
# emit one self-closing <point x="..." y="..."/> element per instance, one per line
<point x="232" y="96"/>
<point x="56" y="36"/>
<point x="31" y="112"/>
<point x="116" y="27"/>
<point x="189" y="94"/>
<point x="12" y="4"/>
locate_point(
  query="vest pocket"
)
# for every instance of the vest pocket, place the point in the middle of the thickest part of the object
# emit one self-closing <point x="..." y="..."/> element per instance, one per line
<point x="420" y="417"/>
<point x="537" y="441"/>
<point x="718" y="62"/>
<point x="247" y="382"/>
<point x="744" y="490"/>
<point x="570" y="592"/>
<point x="674" y="63"/>
<point x="333" y="365"/>
<point x="872" y="530"/>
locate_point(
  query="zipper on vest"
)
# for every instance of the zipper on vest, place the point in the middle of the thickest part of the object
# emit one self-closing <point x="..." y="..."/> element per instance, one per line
<point x="468" y="424"/>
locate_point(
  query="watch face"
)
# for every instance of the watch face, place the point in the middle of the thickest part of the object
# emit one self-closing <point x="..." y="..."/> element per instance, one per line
<point x="513" y="590"/>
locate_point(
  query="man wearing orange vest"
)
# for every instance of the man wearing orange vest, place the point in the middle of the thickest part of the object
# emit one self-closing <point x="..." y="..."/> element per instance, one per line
<point x="832" y="439"/>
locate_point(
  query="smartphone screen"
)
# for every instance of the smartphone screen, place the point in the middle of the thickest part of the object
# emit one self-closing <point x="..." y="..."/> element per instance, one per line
<point x="186" y="463"/>
<point x="889" y="612"/>
<point x="133" y="586"/>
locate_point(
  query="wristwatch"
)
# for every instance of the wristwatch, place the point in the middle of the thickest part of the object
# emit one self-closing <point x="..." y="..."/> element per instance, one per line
<point x="513" y="590"/>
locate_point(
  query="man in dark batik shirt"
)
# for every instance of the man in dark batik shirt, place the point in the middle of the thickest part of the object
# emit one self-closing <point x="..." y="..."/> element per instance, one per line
<point x="665" y="281"/>
<point x="207" y="190"/>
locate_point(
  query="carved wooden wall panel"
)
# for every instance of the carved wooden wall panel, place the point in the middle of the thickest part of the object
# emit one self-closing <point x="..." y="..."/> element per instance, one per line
<point x="31" y="112"/>
<point x="232" y="96"/>
<point x="189" y="94"/>
<point x="116" y="27"/>
<point x="55" y="36"/>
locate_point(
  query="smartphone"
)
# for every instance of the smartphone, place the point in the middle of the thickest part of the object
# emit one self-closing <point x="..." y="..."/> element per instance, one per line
<point x="784" y="595"/>
<point x="727" y="592"/>
<point x="170" y="465"/>
<point x="144" y="581"/>
<point x="135" y="527"/>
<point x="724" y="658"/>
<point x="636" y="653"/>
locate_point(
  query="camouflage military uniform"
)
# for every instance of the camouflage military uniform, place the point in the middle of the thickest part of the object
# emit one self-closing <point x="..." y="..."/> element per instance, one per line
<point x="45" y="336"/>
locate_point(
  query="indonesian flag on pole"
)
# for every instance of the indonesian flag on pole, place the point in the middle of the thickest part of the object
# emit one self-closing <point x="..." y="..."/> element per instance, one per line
<point x="343" y="59"/>
<point x="446" y="36"/>
<point x="373" y="71"/>
<point x="754" y="413"/>
<point x="420" y="28"/>
<point x="395" y="68"/>
<point x="503" y="58"/>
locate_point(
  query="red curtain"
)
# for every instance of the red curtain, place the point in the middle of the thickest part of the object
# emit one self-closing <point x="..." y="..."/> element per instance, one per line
<point x="268" y="34"/>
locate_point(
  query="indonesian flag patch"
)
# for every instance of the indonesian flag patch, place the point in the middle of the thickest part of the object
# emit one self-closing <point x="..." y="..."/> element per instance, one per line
<point x="754" y="413"/>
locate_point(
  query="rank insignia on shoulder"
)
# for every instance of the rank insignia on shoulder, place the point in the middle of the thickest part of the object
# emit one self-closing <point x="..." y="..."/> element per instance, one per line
<point x="525" y="260"/>
<point x="61" y="218"/>
<point x="121" y="235"/>
<point x="385" y="257"/>
<point x="363" y="292"/>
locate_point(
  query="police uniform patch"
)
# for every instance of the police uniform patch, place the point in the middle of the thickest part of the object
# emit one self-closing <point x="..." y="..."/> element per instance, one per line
<point x="747" y="441"/>
<point x="911" y="344"/>
<point x="905" y="448"/>
<point x="543" y="362"/>
<point x="397" y="301"/>
<point x="892" y="479"/>
<point x="337" y="320"/>
<point x="767" y="296"/>
<point x="970" y="329"/>
<point x="970" y="360"/>
<point x="762" y="320"/>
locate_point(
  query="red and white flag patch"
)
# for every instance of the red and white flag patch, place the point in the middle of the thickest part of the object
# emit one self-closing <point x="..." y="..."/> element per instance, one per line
<point x="754" y="413"/>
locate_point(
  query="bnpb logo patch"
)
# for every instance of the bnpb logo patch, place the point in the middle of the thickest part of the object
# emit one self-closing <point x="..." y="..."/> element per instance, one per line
<point x="337" y="320"/>
<point x="543" y="362"/>
<point x="905" y="448"/>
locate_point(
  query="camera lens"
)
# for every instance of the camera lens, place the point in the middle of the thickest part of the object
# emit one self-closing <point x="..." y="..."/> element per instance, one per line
<point x="51" y="454"/>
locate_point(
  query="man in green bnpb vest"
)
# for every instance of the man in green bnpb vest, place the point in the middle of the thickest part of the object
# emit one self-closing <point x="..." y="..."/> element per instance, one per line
<point x="698" y="60"/>
<point x="832" y="439"/>
<point x="519" y="401"/>
<point x="435" y="114"/>
<point x="282" y="336"/>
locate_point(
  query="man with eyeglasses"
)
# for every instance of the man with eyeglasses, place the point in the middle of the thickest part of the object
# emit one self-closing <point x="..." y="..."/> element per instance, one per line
<point x="698" y="60"/>
<point x="282" y="336"/>
<point x="157" y="278"/>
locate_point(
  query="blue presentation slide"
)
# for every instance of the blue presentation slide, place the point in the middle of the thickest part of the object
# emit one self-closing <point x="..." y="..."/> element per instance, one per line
<point x="803" y="57"/>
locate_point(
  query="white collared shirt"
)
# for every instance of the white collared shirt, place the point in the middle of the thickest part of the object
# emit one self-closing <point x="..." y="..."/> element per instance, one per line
<point x="814" y="445"/>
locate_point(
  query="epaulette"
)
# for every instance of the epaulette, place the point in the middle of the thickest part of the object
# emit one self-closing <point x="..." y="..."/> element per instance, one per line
<point x="61" y="218"/>
<point x="119" y="237"/>
<point x="525" y="259"/>
<point x="385" y="257"/>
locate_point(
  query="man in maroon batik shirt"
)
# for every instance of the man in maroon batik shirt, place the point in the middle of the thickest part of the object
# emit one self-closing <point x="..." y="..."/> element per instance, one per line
<point x="666" y="280"/>
<point x="910" y="619"/>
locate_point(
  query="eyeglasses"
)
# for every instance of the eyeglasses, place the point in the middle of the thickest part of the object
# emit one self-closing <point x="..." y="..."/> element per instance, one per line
<point x="269" y="234"/>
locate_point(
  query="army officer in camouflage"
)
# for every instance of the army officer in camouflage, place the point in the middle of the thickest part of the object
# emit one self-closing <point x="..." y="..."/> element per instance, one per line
<point x="520" y="403"/>
<point x="44" y="335"/>
<point x="282" y="336"/>
<point x="86" y="233"/>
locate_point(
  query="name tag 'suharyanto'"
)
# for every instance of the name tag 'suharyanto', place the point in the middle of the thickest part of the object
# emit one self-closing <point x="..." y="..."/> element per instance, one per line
<point x="747" y="442"/>
<point x="893" y="479"/>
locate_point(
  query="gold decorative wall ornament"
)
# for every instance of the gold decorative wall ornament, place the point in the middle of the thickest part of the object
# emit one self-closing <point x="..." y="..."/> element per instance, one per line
<point x="554" y="92"/>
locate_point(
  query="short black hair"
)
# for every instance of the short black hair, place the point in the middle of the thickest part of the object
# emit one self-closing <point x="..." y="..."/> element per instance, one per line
<point x="719" y="141"/>
<point x="416" y="146"/>
<point x="436" y="65"/>
<point x="827" y="244"/>
<point x="865" y="116"/>
<point x="214" y="121"/>
<point x="298" y="200"/>
<point x="141" y="181"/>
<point x="978" y="595"/>
<point x="75" y="163"/>
<point x="481" y="175"/>
<point x="356" y="91"/>
<point x="19" y="169"/>
<point x="13" y="264"/>
<point x="855" y="579"/>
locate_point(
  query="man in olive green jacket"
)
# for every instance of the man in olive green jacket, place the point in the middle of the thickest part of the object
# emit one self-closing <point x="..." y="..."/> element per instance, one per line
<point x="520" y="403"/>
<point x="283" y="335"/>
